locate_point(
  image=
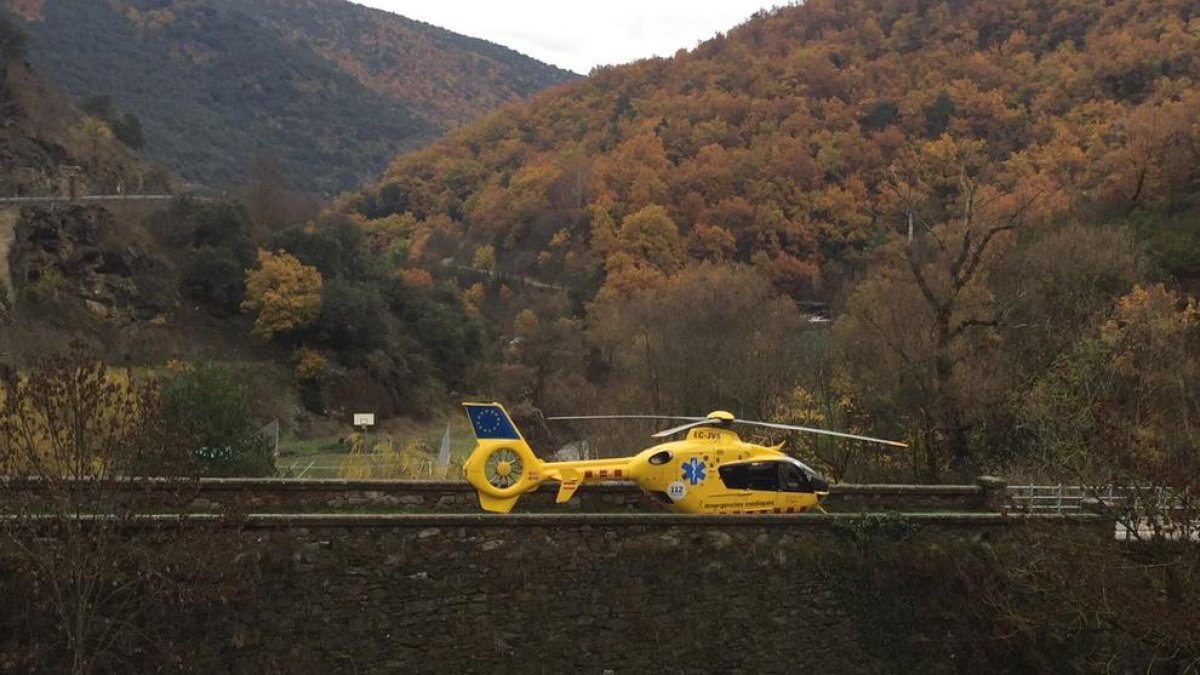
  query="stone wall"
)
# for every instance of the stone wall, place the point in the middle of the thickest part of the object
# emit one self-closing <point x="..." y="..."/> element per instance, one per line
<point x="589" y="593"/>
<point x="546" y="596"/>
<point x="626" y="593"/>
<point x="292" y="495"/>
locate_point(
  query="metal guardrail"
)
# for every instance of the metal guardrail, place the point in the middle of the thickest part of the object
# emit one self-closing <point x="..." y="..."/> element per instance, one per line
<point x="1040" y="498"/>
<point x="1058" y="498"/>
<point x="1140" y="512"/>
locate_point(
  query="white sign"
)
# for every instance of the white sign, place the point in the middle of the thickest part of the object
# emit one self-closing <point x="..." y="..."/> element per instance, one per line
<point x="677" y="490"/>
<point x="364" y="419"/>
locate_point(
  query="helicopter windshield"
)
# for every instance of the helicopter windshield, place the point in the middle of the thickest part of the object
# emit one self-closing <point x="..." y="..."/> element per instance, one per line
<point x="792" y="479"/>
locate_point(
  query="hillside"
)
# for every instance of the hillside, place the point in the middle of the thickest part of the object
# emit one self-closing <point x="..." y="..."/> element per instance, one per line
<point x="216" y="83"/>
<point x="990" y="211"/>
<point x="774" y="144"/>
<point x="44" y="139"/>
<point x="70" y="270"/>
<point x="447" y="78"/>
<point x="148" y="282"/>
<point x="980" y="191"/>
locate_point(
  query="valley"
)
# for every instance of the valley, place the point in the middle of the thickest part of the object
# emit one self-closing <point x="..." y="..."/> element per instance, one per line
<point x="962" y="236"/>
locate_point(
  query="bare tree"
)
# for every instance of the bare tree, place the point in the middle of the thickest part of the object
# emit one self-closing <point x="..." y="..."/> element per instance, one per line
<point x="96" y="574"/>
<point x="920" y="328"/>
<point x="713" y="337"/>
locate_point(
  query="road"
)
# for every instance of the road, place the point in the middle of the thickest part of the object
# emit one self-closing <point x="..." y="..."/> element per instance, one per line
<point x="88" y="198"/>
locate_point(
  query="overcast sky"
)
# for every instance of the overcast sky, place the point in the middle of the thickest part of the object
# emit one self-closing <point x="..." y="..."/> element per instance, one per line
<point x="580" y="35"/>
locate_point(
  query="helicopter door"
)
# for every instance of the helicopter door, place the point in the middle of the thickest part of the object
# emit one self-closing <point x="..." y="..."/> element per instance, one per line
<point x="762" y="476"/>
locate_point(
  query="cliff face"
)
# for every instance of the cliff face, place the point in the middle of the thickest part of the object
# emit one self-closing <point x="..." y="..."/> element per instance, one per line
<point x="75" y="255"/>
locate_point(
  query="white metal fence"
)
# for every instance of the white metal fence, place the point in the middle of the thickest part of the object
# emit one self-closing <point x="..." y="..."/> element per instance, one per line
<point x="1060" y="498"/>
<point x="1140" y="512"/>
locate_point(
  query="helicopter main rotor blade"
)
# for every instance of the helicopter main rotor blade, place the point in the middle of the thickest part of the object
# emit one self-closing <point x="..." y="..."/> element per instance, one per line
<point x="627" y="417"/>
<point x="684" y="427"/>
<point x="717" y="421"/>
<point x="792" y="427"/>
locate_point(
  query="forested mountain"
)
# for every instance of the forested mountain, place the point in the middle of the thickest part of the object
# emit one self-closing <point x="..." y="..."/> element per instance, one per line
<point x="780" y="140"/>
<point x="996" y="202"/>
<point x="330" y="88"/>
<point x="446" y="77"/>
<point x="972" y="185"/>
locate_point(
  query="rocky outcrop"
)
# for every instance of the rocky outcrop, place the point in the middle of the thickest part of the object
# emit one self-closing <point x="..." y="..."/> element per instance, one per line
<point x="69" y="254"/>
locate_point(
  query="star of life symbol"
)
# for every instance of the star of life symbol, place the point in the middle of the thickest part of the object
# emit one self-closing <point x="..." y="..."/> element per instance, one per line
<point x="694" y="471"/>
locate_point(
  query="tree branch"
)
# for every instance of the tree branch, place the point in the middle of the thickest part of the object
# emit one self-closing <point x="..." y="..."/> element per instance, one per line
<point x="963" y="325"/>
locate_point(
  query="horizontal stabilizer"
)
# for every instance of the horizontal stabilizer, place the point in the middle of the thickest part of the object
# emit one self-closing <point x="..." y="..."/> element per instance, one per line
<point x="566" y="490"/>
<point x="569" y="480"/>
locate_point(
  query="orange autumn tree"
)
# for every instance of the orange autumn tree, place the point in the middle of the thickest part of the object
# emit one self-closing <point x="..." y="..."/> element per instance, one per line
<point x="284" y="292"/>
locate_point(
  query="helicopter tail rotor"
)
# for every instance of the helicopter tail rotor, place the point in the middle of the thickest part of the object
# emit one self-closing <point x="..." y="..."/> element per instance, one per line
<point x="502" y="466"/>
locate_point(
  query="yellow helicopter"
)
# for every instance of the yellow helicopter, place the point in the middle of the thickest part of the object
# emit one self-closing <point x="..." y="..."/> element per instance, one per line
<point x="711" y="471"/>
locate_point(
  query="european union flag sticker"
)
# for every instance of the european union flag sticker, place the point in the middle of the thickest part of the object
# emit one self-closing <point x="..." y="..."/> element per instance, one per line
<point x="491" y="422"/>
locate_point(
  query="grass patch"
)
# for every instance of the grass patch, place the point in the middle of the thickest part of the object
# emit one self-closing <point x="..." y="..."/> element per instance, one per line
<point x="322" y="457"/>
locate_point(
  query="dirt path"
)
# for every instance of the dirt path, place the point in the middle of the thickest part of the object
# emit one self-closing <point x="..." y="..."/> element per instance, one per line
<point x="8" y="222"/>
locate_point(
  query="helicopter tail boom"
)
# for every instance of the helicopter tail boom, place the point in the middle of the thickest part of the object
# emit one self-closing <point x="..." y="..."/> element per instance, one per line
<point x="570" y="475"/>
<point x="503" y="466"/>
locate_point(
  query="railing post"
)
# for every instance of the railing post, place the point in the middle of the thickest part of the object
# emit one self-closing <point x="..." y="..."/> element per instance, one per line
<point x="994" y="492"/>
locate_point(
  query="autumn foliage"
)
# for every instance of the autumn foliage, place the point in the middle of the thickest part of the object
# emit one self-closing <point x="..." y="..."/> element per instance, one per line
<point x="776" y="144"/>
<point x="968" y="186"/>
<point x="285" y="294"/>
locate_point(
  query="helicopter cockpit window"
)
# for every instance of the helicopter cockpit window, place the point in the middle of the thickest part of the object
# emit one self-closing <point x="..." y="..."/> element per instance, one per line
<point x="734" y="476"/>
<point x="792" y="479"/>
<point x="771" y="476"/>
<point x="763" y="476"/>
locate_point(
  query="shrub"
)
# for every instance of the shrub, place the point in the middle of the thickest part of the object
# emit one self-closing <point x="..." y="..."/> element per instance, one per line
<point x="354" y="320"/>
<point x="334" y="247"/>
<point x="210" y="406"/>
<point x="215" y="277"/>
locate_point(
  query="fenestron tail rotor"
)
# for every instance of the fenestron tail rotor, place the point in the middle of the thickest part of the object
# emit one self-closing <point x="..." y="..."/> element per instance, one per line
<point x="503" y="468"/>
